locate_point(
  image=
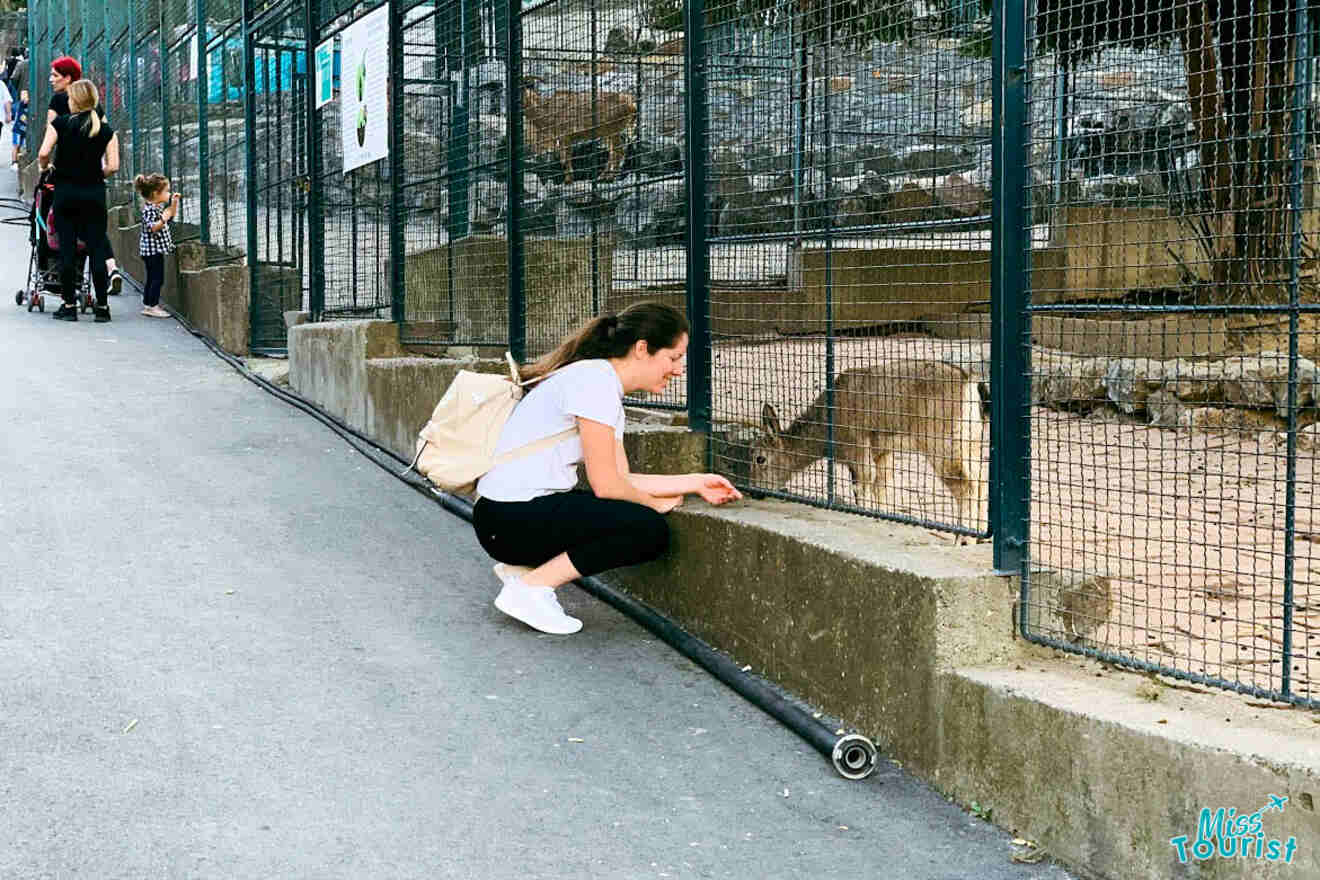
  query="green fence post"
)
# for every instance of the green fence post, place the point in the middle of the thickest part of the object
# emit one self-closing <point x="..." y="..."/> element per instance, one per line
<point x="1010" y="426"/>
<point x="315" y="194"/>
<point x="460" y="145"/>
<point x="203" y="132"/>
<point x="698" y="248"/>
<point x="398" y="210"/>
<point x="514" y="141"/>
<point x="133" y="86"/>
<point x="1301" y="102"/>
<point x="164" y="66"/>
<point x="250" y="170"/>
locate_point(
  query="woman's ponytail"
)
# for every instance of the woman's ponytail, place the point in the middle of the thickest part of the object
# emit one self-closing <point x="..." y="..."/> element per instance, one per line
<point x="83" y="98"/>
<point x="612" y="336"/>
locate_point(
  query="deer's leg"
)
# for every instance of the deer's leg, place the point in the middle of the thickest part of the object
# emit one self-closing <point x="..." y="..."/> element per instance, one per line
<point x="566" y="159"/>
<point x="613" y="144"/>
<point x="861" y="467"/>
<point x="882" y="468"/>
<point x="962" y="486"/>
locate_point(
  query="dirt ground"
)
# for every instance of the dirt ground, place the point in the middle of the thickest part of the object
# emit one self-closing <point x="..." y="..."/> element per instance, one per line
<point x="1187" y="527"/>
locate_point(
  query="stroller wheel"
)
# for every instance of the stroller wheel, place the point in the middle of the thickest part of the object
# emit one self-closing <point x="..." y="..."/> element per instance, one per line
<point x="41" y="303"/>
<point x="18" y="298"/>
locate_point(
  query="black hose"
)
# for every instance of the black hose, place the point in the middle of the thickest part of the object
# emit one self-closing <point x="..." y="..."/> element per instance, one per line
<point x="853" y="755"/>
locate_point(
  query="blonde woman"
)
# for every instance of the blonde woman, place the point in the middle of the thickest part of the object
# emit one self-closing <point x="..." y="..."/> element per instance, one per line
<point x="88" y="153"/>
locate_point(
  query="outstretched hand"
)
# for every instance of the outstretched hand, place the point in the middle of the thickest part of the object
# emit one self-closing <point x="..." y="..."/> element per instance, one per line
<point x="715" y="489"/>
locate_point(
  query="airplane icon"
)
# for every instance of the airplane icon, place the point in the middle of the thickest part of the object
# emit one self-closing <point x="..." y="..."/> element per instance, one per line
<point x="1276" y="803"/>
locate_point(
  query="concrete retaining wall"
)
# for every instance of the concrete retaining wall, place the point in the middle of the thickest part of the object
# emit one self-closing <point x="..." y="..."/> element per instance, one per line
<point x="912" y="640"/>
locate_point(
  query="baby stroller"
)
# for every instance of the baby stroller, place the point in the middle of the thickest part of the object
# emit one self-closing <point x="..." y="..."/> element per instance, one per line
<point x="44" y="264"/>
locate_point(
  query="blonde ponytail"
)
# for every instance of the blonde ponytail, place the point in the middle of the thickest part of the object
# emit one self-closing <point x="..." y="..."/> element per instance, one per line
<point x="83" y="98"/>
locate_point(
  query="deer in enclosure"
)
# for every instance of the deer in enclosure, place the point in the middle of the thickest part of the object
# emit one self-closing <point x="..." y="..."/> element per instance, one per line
<point x="930" y="407"/>
<point x="562" y="119"/>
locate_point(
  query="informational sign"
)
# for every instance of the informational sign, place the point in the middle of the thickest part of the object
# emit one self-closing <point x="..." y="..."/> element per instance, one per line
<point x="364" y="89"/>
<point x="325" y="73"/>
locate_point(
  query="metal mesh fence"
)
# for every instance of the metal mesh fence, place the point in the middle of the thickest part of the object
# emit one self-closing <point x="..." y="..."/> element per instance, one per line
<point x="849" y="175"/>
<point x="1121" y="273"/>
<point x="279" y="182"/>
<point x="1172" y="173"/>
<point x="181" y="111"/>
<point x="226" y="138"/>
<point x="149" y="90"/>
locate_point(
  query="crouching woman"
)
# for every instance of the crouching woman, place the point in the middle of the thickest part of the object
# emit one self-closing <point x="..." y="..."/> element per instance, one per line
<point x="528" y="516"/>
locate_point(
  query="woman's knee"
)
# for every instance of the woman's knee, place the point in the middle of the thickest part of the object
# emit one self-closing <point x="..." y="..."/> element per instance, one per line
<point x="653" y="534"/>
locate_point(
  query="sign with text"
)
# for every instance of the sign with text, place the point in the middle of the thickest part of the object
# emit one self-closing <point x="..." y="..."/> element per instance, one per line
<point x="364" y="89"/>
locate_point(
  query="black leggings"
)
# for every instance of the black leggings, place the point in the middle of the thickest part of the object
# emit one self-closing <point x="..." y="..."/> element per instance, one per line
<point x="80" y="216"/>
<point x="597" y="534"/>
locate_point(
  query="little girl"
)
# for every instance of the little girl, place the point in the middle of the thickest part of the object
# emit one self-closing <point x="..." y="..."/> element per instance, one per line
<point x="155" y="241"/>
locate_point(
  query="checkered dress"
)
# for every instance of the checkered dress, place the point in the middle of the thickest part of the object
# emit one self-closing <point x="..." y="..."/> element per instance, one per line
<point x="150" y="243"/>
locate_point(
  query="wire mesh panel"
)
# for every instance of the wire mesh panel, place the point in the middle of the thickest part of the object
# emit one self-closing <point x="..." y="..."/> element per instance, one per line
<point x="453" y="193"/>
<point x="93" y="36"/>
<point x="183" y="129"/>
<point x="149" y="119"/>
<point x="226" y="133"/>
<point x="849" y="181"/>
<point x="1174" y="333"/>
<point x="355" y="206"/>
<point x="118" y="98"/>
<point x="38" y="88"/>
<point x="279" y="184"/>
<point x="74" y="27"/>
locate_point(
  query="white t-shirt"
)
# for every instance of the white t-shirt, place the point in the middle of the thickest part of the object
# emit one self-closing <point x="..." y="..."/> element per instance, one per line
<point x="587" y="389"/>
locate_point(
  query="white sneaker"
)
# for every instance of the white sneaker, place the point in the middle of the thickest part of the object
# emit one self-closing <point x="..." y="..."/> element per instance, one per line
<point x="13" y="166"/>
<point x="538" y="607"/>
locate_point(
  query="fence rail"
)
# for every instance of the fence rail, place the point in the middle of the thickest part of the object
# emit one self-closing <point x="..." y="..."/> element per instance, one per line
<point x="1044" y="273"/>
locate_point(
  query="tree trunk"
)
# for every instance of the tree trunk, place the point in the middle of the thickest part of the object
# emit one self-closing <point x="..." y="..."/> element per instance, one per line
<point x="1239" y="89"/>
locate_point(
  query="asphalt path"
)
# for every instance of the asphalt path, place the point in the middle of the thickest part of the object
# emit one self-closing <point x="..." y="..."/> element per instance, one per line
<point x="232" y="647"/>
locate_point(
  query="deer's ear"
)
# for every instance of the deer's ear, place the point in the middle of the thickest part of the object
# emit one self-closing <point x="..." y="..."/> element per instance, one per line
<point x="770" y="420"/>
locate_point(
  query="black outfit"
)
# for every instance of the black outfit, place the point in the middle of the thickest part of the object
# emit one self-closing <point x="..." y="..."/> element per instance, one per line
<point x="59" y="102"/>
<point x="79" y="206"/>
<point x="598" y="534"/>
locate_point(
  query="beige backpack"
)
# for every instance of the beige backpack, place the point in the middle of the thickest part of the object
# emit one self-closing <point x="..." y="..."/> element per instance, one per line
<point x="457" y="446"/>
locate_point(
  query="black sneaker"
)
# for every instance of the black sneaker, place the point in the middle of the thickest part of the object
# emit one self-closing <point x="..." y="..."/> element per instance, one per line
<point x="116" y="283"/>
<point x="66" y="312"/>
<point x="101" y="314"/>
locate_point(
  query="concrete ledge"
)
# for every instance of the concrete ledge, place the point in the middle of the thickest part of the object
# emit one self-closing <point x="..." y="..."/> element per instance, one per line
<point x="328" y="364"/>
<point x="214" y="301"/>
<point x="911" y="639"/>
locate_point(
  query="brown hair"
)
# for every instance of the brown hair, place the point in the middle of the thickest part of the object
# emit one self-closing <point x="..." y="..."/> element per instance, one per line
<point x="82" y="99"/>
<point x="148" y="185"/>
<point x="613" y="336"/>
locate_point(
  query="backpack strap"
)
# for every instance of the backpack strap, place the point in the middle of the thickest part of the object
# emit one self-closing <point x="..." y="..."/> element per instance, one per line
<point x="517" y="377"/>
<point x="535" y="446"/>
